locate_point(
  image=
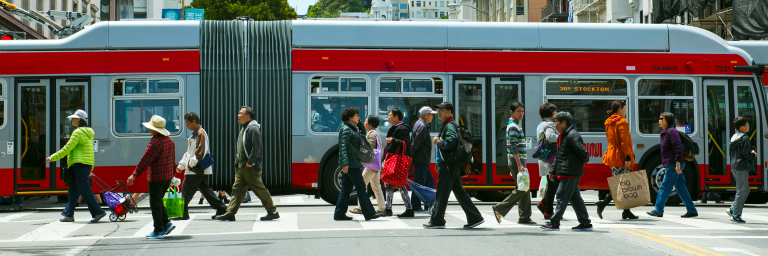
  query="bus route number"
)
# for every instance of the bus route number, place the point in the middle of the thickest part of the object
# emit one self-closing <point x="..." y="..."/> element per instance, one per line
<point x="723" y="68"/>
<point x="664" y="68"/>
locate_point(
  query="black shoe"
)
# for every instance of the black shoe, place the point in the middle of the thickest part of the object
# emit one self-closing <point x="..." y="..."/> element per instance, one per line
<point x="582" y="227"/>
<point x="689" y="215"/>
<point x="549" y="226"/>
<point x="475" y="223"/>
<point x="271" y="216"/>
<point x="98" y="217"/>
<point x="407" y="213"/>
<point x="219" y="212"/>
<point x="375" y="216"/>
<point x="433" y="226"/>
<point x="201" y="201"/>
<point x="655" y="214"/>
<point x="225" y="217"/>
<point x="179" y="218"/>
<point x="386" y="213"/>
<point x="343" y="218"/>
<point x="628" y="215"/>
<point x="600" y="208"/>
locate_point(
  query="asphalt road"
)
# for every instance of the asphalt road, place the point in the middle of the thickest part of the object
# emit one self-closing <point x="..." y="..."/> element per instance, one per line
<point x="306" y="227"/>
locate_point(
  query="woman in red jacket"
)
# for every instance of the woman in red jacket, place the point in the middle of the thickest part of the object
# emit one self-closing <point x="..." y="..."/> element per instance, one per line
<point x="619" y="155"/>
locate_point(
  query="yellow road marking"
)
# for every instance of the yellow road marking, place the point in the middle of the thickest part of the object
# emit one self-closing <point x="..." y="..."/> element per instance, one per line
<point x="663" y="242"/>
<point x="679" y="242"/>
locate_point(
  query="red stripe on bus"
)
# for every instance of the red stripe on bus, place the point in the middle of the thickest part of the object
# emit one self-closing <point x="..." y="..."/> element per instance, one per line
<point x="6" y="182"/>
<point x="515" y="62"/>
<point x="98" y="62"/>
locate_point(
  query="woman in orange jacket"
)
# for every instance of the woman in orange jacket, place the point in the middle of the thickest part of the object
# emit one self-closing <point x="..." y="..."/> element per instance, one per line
<point x="619" y="155"/>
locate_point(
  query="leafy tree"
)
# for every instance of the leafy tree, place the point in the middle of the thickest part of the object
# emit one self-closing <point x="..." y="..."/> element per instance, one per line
<point x="257" y="9"/>
<point x="444" y="17"/>
<point x="332" y="8"/>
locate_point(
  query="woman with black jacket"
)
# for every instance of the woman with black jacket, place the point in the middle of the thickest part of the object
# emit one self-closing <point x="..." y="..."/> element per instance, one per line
<point x="397" y="134"/>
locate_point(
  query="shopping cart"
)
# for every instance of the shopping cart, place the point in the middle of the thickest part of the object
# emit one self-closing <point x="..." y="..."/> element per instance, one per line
<point x="118" y="198"/>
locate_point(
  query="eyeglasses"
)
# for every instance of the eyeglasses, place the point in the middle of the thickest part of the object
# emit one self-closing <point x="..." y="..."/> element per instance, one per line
<point x="661" y="119"/>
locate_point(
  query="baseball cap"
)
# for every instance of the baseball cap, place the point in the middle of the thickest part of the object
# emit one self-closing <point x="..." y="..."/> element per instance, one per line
<point x="445" y="105"/>
<point x="426" y="110"/>
<point x="79" y="114"/>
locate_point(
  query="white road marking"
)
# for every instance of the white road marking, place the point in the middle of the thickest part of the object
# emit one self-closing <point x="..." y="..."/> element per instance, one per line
<point x="180" y="225"/>
<point x="292" y="200"/>
<point x="14" y="216"/>
<point x="76" y="250"/>
<point x="381" y="223"/>
<point x="716" y="237"/>
<point x="719" y="249"/>
<point x="700" y="223"/>
<point x="286" y="222"/>
<point x="52" y="231"/>
<point x="143" y="232"/>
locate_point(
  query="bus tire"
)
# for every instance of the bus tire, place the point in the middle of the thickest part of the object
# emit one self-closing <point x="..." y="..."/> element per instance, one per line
<point x="655" y="172"/>
<point x="332" y="184"/>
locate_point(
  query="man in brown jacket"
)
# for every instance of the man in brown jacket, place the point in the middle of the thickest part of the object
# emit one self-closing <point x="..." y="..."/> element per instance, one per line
<point x="194" y="177"/>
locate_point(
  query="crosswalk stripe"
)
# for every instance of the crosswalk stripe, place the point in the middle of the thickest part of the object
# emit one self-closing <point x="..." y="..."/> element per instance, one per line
<point x="148" y="228"/>
<point x="699" y="223"/>
<point x="292" y="200"/>
<point x="286" y="222"/>
<point x="52" y="231"/>
<point x="381" y="223"/>
<point x="180" y="225"/>
<point x="14" y="216"/>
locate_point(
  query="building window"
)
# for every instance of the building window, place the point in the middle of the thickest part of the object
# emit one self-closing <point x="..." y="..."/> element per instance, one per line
<point x="409" y="94"/>
<point x="442" y="14"/>
<point x="586" y="99"/>
<point x="442" y="3"/>
<point x="655" y="96"/>
<point x="136" y="100"/>
<point x="418" y="14"/>
<point x="394" y="5"/>
<point x="418" y="3"/>
<point x="413" y="3"/>
<point x="430" y="3"/>
<point x="404" y="6"/>
<point x="403" y="15"/>
<point x="329" y="95"/>
<point x="520" y="4"/>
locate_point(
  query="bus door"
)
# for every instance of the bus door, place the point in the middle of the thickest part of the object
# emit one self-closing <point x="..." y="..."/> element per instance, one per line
<point x="724" y="101"/>
<point x="40" y="126"/>
<point x="483" y="109"/>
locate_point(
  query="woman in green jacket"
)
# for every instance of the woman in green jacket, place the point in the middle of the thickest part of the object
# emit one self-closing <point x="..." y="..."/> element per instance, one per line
<point x="79" y="150"/>
<point x="349" y="142"/>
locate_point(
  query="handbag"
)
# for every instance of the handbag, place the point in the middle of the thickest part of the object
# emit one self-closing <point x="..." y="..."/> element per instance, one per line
<point x="545" y="151"/>
<point x="207" y="160"/>
<point x="364" y="151"/>
<point x="396" y="167"/>
<point x="377" y="153"/>
<point x="174" y="206"/>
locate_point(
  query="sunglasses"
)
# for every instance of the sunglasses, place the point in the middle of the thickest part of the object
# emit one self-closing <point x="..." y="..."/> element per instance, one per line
<point x="661" y="118"/>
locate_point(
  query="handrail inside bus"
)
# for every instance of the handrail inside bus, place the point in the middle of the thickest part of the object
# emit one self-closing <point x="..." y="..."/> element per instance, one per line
<point x="714" y="141"/>
<point x="26" y="138"/>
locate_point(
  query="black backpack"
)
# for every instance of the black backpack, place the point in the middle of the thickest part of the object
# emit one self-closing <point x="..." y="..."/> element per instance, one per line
<point x="462" y="154"/>
<point x="690" y="147"/>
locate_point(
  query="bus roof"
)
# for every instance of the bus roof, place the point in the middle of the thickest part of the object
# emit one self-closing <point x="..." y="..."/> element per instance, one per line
<point x="757" y="49"/>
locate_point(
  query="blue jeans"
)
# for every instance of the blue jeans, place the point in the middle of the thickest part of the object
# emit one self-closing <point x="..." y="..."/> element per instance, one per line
<point x="422" y="176"/>
<point x="81" y="187"/>
<point x="672" y="178"/>
<point x="353" y="178"/>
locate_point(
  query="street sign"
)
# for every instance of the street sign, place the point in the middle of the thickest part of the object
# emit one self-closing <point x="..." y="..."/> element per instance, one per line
<point x="194" y="14"/>
<point x="172" y="14"/>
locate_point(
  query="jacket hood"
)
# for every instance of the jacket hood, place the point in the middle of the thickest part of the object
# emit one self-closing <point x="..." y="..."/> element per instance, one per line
<point x="615" y="119"/>
<point x="254" y="124"/>
<point x="736" y="136"/>
<point x="88" y="131"/>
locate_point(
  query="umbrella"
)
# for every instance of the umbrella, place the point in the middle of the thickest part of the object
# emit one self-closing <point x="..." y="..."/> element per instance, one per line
<point x="426" y="194"/>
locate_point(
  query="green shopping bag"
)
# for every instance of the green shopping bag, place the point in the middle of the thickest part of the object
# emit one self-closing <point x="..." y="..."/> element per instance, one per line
<point x="174" y="206"/>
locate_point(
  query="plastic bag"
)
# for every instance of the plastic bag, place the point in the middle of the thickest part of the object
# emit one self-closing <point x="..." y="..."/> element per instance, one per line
<point x="174" y="205"/>
<point x="523" y="180"/>
<point x="543" y="185"/>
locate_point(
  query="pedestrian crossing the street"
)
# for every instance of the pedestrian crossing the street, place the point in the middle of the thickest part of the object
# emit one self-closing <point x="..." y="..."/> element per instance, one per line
<point x="23" y="228"/>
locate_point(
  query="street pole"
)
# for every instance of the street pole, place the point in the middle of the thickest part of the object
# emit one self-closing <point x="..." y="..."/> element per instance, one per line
<point x="183" y="9"/>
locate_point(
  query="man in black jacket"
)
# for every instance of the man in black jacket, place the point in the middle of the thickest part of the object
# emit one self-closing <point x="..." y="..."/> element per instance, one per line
<point x="569" y="167"/>
<point x="249" y="165"/>
<point x="422" y="149"/>
<point x="399" y="135"/>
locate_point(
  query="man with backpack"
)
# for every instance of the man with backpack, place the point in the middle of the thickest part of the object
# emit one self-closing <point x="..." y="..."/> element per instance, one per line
<point x="516" y="156"/>
<point x="449" y="173"/>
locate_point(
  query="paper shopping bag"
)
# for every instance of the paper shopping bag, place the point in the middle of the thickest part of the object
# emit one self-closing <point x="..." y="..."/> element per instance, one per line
<point x="630" y="190"/>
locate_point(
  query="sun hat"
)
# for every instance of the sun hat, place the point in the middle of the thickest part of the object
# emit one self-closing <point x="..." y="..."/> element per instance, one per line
<point x="79" y="114"/>
<point x="157" y="124"/>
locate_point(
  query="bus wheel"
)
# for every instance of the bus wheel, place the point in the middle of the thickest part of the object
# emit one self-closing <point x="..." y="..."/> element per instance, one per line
<point x="332" y="179"/>
<point x="655" y="172"/>
<point x="492" y="195"/>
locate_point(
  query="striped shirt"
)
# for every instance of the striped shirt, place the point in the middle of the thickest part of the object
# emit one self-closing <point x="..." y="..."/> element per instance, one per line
<point x="515" y="142"/>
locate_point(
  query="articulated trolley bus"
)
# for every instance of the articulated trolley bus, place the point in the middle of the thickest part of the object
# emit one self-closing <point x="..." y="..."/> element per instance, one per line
<point x="298" y="76"/>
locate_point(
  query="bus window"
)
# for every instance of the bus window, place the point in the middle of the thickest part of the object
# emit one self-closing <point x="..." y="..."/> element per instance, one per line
<point x="420" y="92"/>
<point x="587" y="99"/>
<point x="745" y="107"/>
<point x="665" y="95"/>
<point x="135" y="101"/>
<point x="332" y="94"/>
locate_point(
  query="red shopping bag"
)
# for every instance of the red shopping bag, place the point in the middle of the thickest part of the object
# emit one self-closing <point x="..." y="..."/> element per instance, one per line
<point x="396" y="167"/>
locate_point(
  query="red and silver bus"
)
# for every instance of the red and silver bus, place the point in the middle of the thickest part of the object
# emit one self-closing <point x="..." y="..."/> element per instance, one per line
<point x="298" y="75"/>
